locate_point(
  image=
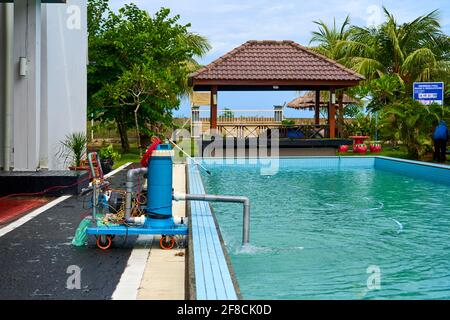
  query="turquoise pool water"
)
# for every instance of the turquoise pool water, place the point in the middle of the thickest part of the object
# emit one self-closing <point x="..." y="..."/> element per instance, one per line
<point x="316" y="231"/>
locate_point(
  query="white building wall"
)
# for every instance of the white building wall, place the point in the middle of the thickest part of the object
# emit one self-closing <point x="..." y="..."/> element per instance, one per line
<point x="64" y="77"/>
<point x="2" y="72"/>
<point x="27" y="87"/>
<point x="6" y="28"/>
<point x="50" y="101"/>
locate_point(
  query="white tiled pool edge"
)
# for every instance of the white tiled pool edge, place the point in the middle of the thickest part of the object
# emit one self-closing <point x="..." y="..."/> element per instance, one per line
<point x="213" y="279"/>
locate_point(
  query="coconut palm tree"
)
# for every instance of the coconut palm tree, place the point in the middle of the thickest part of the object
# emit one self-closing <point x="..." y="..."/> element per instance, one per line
<point x="412" y="51"/>
<point x="200" y="46"/>
<point x="327" y="38"/>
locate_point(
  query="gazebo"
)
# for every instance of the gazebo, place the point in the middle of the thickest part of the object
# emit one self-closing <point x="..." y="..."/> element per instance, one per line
<point x="275" y="65"/>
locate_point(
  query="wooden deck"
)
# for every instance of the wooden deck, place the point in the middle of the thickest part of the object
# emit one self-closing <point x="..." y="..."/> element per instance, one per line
<point x="213" y="280"/>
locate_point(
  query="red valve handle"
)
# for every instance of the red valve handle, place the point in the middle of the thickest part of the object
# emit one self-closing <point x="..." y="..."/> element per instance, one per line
<point x="148" y="153"/>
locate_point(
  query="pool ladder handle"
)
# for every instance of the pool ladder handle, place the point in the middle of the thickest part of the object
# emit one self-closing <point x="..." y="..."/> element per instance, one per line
<point x="231" y="199"/>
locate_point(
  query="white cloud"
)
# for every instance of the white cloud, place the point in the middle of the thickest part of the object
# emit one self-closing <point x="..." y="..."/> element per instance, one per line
<point x="229" y="23"/>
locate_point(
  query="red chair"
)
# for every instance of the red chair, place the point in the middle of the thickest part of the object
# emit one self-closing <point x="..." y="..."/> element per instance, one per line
<point x="375" y="148"/>
<point x="343" y="148"/>
<point x="360" y="148"/>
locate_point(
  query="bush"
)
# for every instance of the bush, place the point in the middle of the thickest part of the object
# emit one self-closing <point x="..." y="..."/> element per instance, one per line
<point x="73" y="148"/>
<point x="413" y="124"/>
<point x="108" y="153"/>
<point x="362" y="124"/>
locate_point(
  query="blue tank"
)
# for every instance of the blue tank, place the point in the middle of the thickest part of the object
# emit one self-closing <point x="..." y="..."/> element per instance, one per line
<point x="159" y="182"/>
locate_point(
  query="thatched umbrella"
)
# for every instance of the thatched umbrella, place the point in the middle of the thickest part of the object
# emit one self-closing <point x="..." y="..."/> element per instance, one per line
<point x="308" y="101"/>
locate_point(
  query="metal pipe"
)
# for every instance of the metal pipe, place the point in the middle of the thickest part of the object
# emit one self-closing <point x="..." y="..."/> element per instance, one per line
<point x="8" y="30"/>
<point x="215" y="198"/>
<point x="130" y="185"/>
<point x="187" y="155"/>
<point x="91" y="157"/>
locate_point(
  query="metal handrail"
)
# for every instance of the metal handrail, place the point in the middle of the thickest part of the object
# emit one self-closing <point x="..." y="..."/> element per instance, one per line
<point x="215" y="198"/>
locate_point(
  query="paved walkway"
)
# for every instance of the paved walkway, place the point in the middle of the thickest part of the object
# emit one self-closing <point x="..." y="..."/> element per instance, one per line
<point x="164" y="276"/>
<point x="35" y="256"/>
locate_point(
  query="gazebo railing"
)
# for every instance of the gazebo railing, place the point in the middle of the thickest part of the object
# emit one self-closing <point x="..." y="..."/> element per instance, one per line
<point x="228" y="116"/>
<point x="305" y="132"/>
<point x="240" y="123"/>
<point x="242" y="131"/>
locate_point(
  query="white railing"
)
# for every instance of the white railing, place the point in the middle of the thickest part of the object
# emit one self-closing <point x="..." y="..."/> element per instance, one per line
<point x="237" y="122"/>
<point x="263" y="116"/>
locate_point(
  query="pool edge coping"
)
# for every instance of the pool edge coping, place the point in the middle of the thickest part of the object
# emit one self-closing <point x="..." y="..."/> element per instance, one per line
<point x="416" y="162"/>
<point x="192" y="287"/>
<point x="191" y="292"/>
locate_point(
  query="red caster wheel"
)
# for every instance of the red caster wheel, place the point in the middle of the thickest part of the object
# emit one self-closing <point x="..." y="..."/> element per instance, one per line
<point x="167" y="242"/>
<point x="104" y="242"/>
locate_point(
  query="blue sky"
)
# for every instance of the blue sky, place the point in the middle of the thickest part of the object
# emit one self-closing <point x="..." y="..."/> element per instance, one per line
<point x="229" y="23"/>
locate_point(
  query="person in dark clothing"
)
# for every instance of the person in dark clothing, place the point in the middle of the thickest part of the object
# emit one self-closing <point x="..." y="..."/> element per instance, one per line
<point x="440" y="139"/>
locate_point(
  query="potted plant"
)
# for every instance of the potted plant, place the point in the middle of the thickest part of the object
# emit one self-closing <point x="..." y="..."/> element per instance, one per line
<point x="73" y="150"/>
<point x="107" y="157"/>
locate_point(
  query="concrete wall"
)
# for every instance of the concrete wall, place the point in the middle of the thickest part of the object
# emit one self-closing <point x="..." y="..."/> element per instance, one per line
<point x="4" y="9"/>
<point x="2" y="72"/>
<point x="50" y="101"/>
<point x="27" y="88"/>
<point x="64" y="77"/>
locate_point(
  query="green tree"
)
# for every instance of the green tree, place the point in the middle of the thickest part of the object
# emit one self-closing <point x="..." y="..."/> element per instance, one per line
<point x="361" y="124"/>
<point x="412" y="51"/>
<point x="411" y="123"/>
<point x="142" y="87"/>
<point x="139" y="65"/>
<point x="384" y="90"/>
<point x="327" y="38"/>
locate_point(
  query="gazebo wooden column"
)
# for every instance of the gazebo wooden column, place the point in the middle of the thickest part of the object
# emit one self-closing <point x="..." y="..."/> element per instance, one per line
<point x="213" y="110"/>
<point x="331" y="115"/>
<point x="341" y="114"/>
<point x="317" y="108"/>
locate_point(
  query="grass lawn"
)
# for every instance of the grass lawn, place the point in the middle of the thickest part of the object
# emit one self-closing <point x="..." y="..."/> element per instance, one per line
<point x="133" y="154"/>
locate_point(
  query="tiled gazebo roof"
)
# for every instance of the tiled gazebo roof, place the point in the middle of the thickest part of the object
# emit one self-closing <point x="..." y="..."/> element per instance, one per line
<point x="275" y="63"/>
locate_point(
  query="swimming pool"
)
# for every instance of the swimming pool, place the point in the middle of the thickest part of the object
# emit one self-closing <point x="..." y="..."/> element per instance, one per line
<point x="322" y="228"/>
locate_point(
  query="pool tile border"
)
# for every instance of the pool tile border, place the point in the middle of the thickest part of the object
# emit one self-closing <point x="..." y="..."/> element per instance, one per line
<point x="211" y="273"/>
<point x="420" y="170"/>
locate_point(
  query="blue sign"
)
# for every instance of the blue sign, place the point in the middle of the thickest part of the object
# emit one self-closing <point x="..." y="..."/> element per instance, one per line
<point x="429" y="92"/>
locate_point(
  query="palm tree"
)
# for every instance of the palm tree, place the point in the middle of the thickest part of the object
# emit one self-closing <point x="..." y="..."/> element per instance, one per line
<point x="328" y="37"/>
<point x="200" y="46"/>
<point x="412" y="51"/>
